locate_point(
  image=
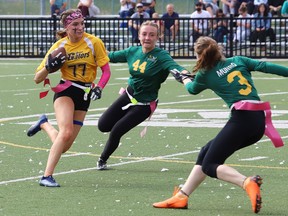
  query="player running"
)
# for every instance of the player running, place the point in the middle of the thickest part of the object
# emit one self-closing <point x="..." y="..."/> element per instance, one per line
<point x="250" y="118"/>
<point x="85" y="53"/>
<point x="149" y="66"/>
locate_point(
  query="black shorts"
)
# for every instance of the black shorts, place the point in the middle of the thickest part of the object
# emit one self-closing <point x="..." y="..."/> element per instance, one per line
<point x="77" y="95"/>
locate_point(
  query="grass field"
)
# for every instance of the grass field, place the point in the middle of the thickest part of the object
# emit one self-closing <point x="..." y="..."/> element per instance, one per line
<point x="142" y="170"/>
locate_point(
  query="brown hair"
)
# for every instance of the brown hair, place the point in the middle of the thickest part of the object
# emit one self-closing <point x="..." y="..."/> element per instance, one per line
<point x="208" y="52"/>
<point x="62" y="32"/>
<point x="242" y="9"/>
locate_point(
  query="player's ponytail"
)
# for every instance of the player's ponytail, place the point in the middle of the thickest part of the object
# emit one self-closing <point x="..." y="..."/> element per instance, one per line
<point x="208" y="53"/>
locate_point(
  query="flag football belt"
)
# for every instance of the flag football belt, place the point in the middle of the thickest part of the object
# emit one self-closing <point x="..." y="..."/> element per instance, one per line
<point x="86" y="87"/>
<point x="134" y="102"/>
<point x="270" y="130"/>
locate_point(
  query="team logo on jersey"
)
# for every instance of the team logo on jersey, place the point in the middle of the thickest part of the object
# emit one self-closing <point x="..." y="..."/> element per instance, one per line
<point x="152" y="58"/>
<point x="77" y="55"/>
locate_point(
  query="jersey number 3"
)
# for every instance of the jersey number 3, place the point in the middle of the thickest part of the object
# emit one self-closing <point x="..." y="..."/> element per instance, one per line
<point x="142" y="66"/>
<point x="242" y="81"/>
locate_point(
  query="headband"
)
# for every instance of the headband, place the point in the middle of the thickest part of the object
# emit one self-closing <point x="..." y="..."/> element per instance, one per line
<point x="71" y="17"/>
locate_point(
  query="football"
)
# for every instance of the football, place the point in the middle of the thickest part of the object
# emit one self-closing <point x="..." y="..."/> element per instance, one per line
<point x="57" y="51"/>
<point x="56" y="59"/>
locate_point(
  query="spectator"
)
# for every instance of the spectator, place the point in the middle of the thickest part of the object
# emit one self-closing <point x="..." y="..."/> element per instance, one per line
<point x="284" y="9"/>
<point x="248" y="3"/>
<point x="220" y="26"/>
<point x="160" y="24"/>
<point x="136" y="20"/>
<point x="262" y="26"/>
<point x="149" y="6"/>
<point x="243" y="23"/>
<point x="275" y="7"/>
<point x="257" y="4"/>
<point x="171" y="21"/>
<point x="200" y="24"/>
<point x="126" y="10"/>
<point x="211" y="6"/>
<point x="228" y="7"/>
<point x="88" y="8"/>
<point x="58" y="6"/>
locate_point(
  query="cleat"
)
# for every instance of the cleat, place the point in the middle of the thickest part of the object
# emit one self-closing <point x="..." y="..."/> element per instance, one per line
<point x="36" y="127"/>
<point x="176" y="202"/>
<point x="101" y="164"/>
<point x="48" y="181"/>
<point x="252" y="188"/>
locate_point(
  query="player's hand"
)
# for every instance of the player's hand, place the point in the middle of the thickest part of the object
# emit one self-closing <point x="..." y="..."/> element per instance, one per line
<point x="96" y="93"/>
<point x="181" y="76"/>
<point x="54" y="64"/>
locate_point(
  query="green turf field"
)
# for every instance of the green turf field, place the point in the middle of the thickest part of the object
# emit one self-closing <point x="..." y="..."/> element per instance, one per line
<point x="142" y="170"/>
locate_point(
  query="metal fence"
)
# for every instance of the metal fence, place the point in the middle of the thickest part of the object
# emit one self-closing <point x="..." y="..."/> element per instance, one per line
<point x="32" y="37"/>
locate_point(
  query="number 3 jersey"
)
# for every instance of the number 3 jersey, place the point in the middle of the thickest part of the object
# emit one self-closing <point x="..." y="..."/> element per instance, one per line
<point x="231" y="78"/>
<point x="82" y="58"/>
<point x="147" y="70"/>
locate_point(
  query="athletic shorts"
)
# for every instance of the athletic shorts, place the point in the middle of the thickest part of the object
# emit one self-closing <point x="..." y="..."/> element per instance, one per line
<point x="77" y="95"/>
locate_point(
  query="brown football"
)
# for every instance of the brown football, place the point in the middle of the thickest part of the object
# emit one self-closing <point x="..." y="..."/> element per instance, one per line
<point x="57" y="51"/>
<point x="60" y="54"/>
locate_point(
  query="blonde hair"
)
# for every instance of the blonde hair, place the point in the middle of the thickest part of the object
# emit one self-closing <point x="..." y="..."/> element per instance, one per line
<point x="208" y="52"/>
<point x="150" y="23"/>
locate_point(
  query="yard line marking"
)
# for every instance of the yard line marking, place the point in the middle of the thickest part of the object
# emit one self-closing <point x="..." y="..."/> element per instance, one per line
<point x="94" y="168"/>
<point x="46" y="149"/>
<point x="75" y="154"/>
<point x="212" y="99"/>
<point x="253" y="158"/>
<point x="21" y="90"/>
<point x="267" y="140"/>
<point x="158" y="158"/>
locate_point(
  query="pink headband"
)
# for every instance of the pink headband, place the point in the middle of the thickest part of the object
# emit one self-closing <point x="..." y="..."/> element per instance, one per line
<point x="71" y="17"/>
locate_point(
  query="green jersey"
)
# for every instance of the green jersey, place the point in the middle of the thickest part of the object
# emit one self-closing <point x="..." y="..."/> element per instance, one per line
<point x="147" y="70"/>
<point x="231" y="79"/>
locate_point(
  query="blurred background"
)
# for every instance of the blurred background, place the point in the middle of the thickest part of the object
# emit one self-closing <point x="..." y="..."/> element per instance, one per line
<point x="42" y="7"/>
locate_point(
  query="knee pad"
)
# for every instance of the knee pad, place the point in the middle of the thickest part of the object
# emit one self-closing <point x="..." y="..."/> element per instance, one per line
<point x="78" y="123"/>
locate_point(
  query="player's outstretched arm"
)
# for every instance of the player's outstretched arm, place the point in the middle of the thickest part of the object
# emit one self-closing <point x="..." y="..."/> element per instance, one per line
<point x="183" y="75"/>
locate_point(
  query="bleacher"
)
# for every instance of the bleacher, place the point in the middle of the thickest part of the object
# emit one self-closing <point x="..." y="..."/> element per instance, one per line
<point x="32" y="36"/>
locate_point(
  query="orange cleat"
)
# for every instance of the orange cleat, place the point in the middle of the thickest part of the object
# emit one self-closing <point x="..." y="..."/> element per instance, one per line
<point x="252" y="187"/>
<point x="178" y="201"/>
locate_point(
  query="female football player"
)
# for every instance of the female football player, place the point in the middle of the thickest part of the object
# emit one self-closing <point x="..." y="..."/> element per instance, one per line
<point x="149" y="66"/>
<point x="231" y="80"/>
<point x="84" y="53"/>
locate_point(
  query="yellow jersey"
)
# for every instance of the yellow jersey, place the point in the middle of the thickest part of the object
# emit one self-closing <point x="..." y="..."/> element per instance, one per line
<point x="82" y="58"/>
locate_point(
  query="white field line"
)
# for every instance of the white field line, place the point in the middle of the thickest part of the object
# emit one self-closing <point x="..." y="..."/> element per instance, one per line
<point x="94" y="168"/>
<point x="75" y="154"/>
<point x="160" y="104"/>
<point x="112" y="165"/>
<point x="268" y="140"/>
